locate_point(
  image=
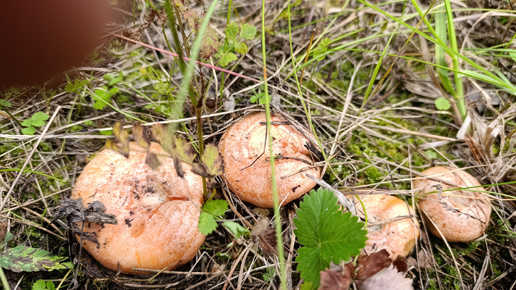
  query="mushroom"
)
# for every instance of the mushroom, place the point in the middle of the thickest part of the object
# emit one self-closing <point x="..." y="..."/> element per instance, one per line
<point x="457" y="215"/>
<point x="157" y="211"/>
<point x="246" y="160"/>
<point x="390" y="224"/>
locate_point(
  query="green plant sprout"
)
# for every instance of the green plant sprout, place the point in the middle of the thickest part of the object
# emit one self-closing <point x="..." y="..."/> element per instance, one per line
<point x="235" y="36"/>
<point x="37" y="120"/>
<point x="442" y="104"/>
<point x="43" y="285"/>
<point x="103" y="94"/>
<point x="214" y="210"/>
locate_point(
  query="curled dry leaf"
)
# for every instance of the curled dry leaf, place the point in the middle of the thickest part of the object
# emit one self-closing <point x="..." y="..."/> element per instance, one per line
<point x="388" y="278"/>
<point x="3" y="228"/>
<point x="140" y="136"/>
<point x="266" y="237"/>
<point x="377" y="271"/>
<point x="211" y="163"/>
<point x="120" y="143"/>
<point x="334" y="280"/>
<point x="368" y="265"/>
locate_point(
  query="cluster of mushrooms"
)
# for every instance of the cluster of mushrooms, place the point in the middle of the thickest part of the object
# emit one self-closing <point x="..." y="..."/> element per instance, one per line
<point x="157" y="209"/>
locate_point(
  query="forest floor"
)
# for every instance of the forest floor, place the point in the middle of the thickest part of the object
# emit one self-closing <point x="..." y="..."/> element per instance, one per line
<point x="387" y="94"/>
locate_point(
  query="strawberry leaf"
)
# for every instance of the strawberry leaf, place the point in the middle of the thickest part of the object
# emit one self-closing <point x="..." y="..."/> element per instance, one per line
<point x="101" y="97"/>
<point x="216" y="207"/>
<point x="326" y="233"/>
<point x="29" y="131"/>
<point x="207" y="223"/>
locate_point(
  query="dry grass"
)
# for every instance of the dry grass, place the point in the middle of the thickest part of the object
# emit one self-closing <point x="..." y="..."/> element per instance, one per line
<point x="383" y="145"/>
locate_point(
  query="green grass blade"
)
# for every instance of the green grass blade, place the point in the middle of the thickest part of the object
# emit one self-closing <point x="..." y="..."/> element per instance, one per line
<point x="277" y="214"/>
<point x="440" y="29"/>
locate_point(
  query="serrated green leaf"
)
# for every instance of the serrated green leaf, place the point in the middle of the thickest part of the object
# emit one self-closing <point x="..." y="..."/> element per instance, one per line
<point x="236" y="229"/>
<point x="43" y="285"/>
<point x="442" y="104"/>
<point x="232" y="31"/>
<point x="216" y="207"/>
<point x="101" y="97"/>
<point x="29" y="131"/>
<point x="76" y="86"/>
<point x="326" y="233"/>
<point x="27" y="259"/>
<point x="27" y="122"/>
<point x="227" y="59"/>
<point x="248" y="32"/>
<point x="113" y="91"/>
<point x="38" y="119"/>
<point x="210" y="43"/>
<point x="5" y="103"/>
<point x="40" y="116"/>
<point x="313" y="214"/>
<point x="309" y="260"/>
<point x="115" y="80"/>
<point x="240" y="47"/>
<point x="39" y="285"/>
<point x="207" y="223"/>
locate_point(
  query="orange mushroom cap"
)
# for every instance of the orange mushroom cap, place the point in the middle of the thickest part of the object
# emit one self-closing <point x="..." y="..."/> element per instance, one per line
<point x="246" y="160"/>
<point x="460" y="215"/>
<point x="391" y="225"/>
<point x="157" y="211"/>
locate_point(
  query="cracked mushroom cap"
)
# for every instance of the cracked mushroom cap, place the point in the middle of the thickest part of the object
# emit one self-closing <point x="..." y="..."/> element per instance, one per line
<point x="391" y="224"/>
<point x="246" y="164"/>
<point x="460" y="215"/>
<point x="156" y="210"/>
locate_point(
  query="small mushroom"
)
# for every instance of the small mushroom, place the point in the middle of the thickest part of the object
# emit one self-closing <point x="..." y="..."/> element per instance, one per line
<point x="459" y="215"/>
<point x="157" y="211"/>
<point x="391" y="224"/>
<point x="246" y="160"/>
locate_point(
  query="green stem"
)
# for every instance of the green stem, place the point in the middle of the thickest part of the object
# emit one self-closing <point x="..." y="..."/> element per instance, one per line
<point x="4" y="279"/>
<point x="223" y="78"/>
<point x="459" y="97"/>
<point x="277" y="214"/>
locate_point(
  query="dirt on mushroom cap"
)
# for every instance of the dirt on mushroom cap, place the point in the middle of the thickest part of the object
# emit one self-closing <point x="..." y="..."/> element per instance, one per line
<point x="460" y="215"/>
<point x="157" y="211"/>
<point x="246" y="160"/>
